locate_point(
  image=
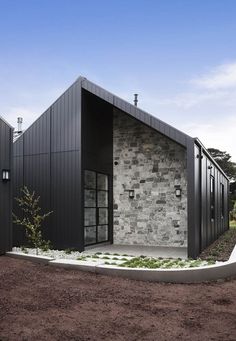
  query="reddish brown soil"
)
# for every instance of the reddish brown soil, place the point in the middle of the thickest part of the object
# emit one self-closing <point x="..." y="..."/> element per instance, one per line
<point x="39" y="302"/>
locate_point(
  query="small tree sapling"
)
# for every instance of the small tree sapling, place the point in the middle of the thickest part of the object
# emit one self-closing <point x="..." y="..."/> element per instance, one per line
<point x="32" y="219"/>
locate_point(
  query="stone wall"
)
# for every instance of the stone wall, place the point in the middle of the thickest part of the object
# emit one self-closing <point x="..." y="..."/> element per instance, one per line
<point x="152" y="165"/>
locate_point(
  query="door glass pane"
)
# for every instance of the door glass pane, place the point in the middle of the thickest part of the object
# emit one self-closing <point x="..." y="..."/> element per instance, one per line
<point x="89" y="216"/>
<point x="102" y="199"/>
<point x="96" y="211"/>
<point x="90" y="198"/>
<point x="102" y="181"/>
<point x="103" y="216"/>
<point x="102" y="233"/>
<point x="90" y="235"/>
<point x="89" y="179"/>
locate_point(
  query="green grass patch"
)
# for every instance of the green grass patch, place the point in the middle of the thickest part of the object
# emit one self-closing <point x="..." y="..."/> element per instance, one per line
<point x="81" y="258"/>
<point x="232" y="224"/>
<point x="169" y="263"/>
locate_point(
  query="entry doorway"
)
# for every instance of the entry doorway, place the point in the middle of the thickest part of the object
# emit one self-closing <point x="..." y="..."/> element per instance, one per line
<point x="96" y="207"/>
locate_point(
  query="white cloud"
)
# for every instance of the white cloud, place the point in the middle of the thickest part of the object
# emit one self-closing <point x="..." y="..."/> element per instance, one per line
<point x="206" y="109"/>
<point x="221" y="77"/>
<point x="218" y="134"/>
<point x="187" y="100"/>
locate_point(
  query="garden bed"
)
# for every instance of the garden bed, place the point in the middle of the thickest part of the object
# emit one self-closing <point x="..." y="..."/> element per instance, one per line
<point x="216" y="253"/>
<point x="222" y="248"/>
<point x="120" y="260"/>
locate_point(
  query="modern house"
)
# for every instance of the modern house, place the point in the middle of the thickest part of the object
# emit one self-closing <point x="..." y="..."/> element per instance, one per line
<point x="6" y="142"/>
<point x="112" y="173"/>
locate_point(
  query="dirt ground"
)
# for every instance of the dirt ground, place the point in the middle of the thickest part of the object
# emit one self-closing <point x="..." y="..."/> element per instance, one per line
<point x="38" y="302"/>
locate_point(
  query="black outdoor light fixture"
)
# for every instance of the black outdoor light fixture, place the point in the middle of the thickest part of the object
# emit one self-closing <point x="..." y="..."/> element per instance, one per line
<point x="5" y="175"/>
<point x="178" y="191"/>
<point x="131" y="193"/>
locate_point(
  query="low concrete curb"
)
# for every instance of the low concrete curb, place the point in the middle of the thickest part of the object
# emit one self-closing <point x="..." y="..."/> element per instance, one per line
<point x="232" y="257"/>
<point x="32" y="258"/>
<point x="187" y="275"/>
<point x="76" y="264"/>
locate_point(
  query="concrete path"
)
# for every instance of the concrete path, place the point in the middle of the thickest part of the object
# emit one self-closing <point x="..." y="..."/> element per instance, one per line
<point x="138" y="250"/>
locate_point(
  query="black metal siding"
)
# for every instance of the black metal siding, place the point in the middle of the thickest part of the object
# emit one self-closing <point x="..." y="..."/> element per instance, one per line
<point x="192" y="200"/>
<point x="5" y="188"/>
<point x="202" y="229"/>
<point x="97" y="141"/>
<point x="47" y="159"/>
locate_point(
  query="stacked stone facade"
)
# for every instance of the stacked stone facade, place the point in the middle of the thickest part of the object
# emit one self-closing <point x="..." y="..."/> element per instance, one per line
<point x="153" y="166"/>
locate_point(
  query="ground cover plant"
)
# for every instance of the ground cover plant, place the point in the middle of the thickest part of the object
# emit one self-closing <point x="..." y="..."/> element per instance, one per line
<point x="159" y="263"/>
<point x="233" y="224"/>
<point x="125" y="261"/>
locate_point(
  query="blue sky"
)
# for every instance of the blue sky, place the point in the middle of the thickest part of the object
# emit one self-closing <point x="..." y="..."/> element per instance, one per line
<point x="180" y="56"/>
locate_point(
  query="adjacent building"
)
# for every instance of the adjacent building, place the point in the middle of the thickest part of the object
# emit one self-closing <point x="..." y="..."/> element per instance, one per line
<point x="6" y="142"/>
<point x="112" y="173"/>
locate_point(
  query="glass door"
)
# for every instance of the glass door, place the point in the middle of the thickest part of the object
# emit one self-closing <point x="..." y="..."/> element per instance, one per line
<point x="96" y="212"/>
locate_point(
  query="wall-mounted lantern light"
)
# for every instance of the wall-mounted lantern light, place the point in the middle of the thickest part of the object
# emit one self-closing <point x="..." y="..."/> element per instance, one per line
<point x="5" y="175"/>
<point x="178" y="191"/>
<point x="131" y="193"/>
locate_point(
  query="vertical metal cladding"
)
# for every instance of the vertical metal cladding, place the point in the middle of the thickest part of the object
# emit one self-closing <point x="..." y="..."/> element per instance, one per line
<point x="47" y="159"/>
<point x="210" y="200"/>
<point x="5" y="187"/>
<point x="97" y="138"/>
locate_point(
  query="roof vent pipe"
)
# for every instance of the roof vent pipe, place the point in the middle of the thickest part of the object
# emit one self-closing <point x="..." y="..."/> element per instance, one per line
<point x="136" y="100"/>
<point x="19" y="122"/>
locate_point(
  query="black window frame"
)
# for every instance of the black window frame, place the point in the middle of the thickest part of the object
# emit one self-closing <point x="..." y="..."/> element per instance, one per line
<point x="96" y="189"/>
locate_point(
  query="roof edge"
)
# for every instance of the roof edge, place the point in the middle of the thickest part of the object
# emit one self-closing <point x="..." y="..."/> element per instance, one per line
<point x="8" y="124"/>
<point x="136" y="112"/>
<point x="196" y="140"/>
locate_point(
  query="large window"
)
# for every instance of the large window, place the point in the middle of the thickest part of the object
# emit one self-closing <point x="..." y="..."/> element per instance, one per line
<point x="212" y="197"/>
<point x="96" y="213"/>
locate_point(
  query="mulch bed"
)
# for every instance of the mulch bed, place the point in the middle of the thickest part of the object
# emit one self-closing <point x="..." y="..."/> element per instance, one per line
<point x="222" y="248"/>
<point x="39" y="302"/>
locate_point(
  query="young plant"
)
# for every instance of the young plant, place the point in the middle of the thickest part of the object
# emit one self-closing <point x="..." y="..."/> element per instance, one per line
<point x="32" y="219"/>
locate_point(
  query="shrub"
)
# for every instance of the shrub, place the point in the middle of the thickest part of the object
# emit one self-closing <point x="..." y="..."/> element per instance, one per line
<point x="32" y="219"/>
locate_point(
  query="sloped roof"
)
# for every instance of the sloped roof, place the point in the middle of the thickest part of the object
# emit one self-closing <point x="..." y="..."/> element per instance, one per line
<point x="141" y="115"/>
<point x="151" y="121"/>
<point x="8" y="124"/>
